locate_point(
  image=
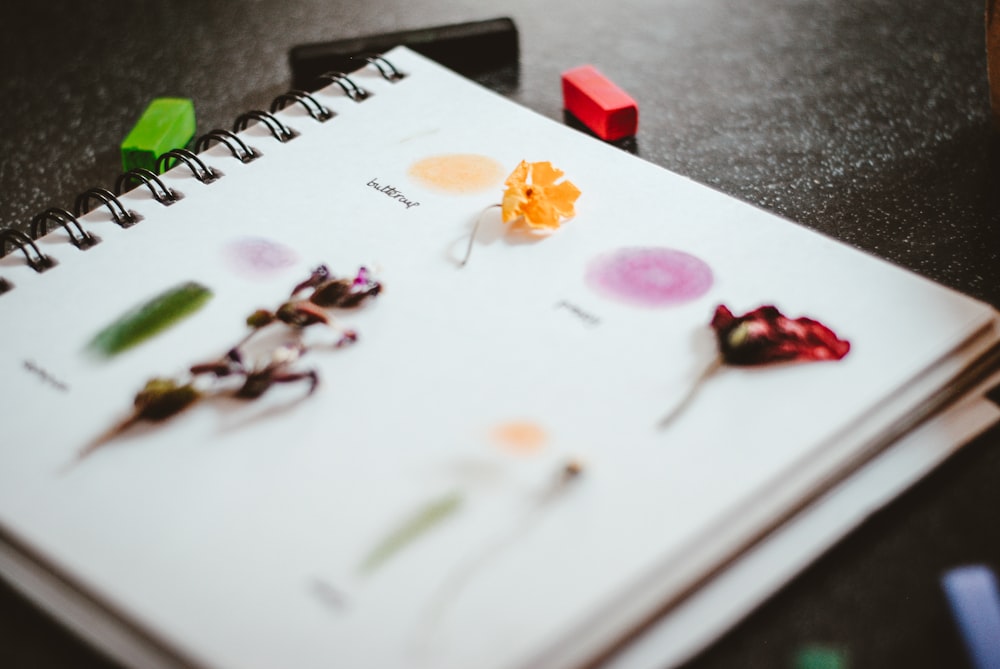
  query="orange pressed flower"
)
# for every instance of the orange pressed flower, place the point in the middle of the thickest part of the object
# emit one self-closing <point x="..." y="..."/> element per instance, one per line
<point x="533" y="196"/>
<point x="532" y="199"/>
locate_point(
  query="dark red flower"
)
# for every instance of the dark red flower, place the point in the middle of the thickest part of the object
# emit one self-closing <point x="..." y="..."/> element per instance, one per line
<point x="765" y="335"/>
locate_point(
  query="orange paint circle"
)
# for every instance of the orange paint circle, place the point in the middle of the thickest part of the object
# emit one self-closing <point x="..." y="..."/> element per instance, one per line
<point x="522" y="438"/>
<point x="458" y="172"/>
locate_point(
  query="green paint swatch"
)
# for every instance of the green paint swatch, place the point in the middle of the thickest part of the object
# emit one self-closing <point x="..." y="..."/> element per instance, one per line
<point x="150" y="318"/>
<point x="820" y="657"/>
<point x="426" y="518"/>
<point x="167" y="123"/>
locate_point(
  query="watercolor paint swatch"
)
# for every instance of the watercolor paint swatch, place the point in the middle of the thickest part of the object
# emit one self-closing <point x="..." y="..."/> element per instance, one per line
<point x="458" y="173"/>
<point x="150" y="318"/>
<point x="650" y="277"/>
<point x="258" y="256"/>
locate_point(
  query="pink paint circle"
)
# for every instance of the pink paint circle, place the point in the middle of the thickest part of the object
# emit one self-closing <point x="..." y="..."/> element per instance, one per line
<point x="650" y="276"/>
<point x="258" y="256"/>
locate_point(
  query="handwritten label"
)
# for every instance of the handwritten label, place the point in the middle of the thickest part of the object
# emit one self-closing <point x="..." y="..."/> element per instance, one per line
<point x="45" y="376"/>
<point x="588" y="318"/>
<point x="391" y="191"/>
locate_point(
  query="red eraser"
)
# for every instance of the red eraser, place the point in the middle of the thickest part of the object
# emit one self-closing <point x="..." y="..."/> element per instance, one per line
<point x="599" y="104"/>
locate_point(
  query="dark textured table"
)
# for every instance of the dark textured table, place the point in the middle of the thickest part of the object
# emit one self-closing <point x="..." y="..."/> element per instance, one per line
<point x="867" y="120"/>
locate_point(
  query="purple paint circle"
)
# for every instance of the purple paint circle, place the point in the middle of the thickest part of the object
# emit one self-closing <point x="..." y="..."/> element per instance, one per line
<point x="650" y="276"/>
<point x="258" y="256"/>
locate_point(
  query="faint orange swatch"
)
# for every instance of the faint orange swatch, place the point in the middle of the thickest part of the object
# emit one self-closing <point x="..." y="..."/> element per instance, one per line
<point x="458" y="172"/>
<point x="521" y="437"/>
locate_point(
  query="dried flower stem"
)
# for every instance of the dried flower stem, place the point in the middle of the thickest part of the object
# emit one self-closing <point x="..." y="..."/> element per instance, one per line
<point x="475" y="231"/>
<point x="100" y="441"/>
<point x="713" y="366"/>
<point x="459" y="577"/>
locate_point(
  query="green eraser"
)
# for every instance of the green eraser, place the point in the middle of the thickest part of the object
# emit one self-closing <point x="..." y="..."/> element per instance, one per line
<point x="820" y="657"/>
<point x="167" y="123"/>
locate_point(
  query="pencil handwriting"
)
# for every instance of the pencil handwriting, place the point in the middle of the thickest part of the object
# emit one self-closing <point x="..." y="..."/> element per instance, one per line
<point x="392" y="192"/>
<point x="45" y="376"/>
<point x="588" y="318"/>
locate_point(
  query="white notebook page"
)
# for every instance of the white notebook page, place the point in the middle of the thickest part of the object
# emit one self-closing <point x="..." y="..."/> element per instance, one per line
<point x="235" y="532"/>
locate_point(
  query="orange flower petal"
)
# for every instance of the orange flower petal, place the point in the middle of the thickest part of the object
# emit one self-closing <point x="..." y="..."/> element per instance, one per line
<point x="543" y="174"/>
<point x="562" y="196"/>
<point x="539" y="213"/>
<point x="519" y="177"/>
<point x="532" y="193"/>
<point x="513" y="200"/>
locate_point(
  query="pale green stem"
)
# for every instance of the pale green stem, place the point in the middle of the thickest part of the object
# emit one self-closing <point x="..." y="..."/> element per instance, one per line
<point x="460" y="576"/>
<point x="426" y="518"/>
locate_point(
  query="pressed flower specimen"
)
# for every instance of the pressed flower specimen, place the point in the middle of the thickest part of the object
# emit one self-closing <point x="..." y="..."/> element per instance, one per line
<point x="464" y="572"/>
<point x="535" y="197"/>
<point x="241" y="375"/>
<point x="764" y="336"/>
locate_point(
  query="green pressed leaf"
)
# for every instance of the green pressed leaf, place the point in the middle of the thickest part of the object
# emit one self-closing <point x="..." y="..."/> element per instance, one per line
<point x="426" y="518"/>
<point x="150" y="318"/>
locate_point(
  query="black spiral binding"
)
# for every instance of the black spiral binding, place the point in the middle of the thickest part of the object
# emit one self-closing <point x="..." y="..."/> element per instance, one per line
<point x="384" y="67"/>
<point x="279" y="130"/>
<point x="351" y="89"/>
<point x="206" y="174"/>
<point x="78" y="237"/>
<point x="37" y="260"/>
<point x="315" y="109"/>
<point x="162" y="194"/>
<point x="199" y="170"/>
<point x="122" y="216"/>
<point x="240" y="150"/>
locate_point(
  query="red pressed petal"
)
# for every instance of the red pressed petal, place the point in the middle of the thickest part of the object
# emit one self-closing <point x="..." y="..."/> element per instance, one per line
<point x="764" y="335"/>
<point x="825" y="344"/>
<point x="722" y="319"/>
<point x="767" y="314"/>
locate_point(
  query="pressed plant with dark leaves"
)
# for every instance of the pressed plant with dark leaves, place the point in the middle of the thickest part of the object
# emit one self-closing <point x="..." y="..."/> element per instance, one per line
<point x="309" y="304"/>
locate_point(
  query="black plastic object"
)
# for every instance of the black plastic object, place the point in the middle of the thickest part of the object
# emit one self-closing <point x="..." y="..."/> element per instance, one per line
<point x="468" y="48"/>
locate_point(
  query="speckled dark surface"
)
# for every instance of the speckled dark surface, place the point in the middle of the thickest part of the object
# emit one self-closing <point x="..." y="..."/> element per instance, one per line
<point x="867" y="120"/>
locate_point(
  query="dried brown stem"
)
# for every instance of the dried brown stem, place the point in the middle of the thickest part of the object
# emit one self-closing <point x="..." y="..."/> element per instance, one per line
<point x="475" y="231"/>
<point x="692" y="390"/>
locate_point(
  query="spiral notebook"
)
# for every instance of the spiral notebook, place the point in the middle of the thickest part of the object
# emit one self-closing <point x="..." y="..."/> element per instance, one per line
<point x="423" y="460"/>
